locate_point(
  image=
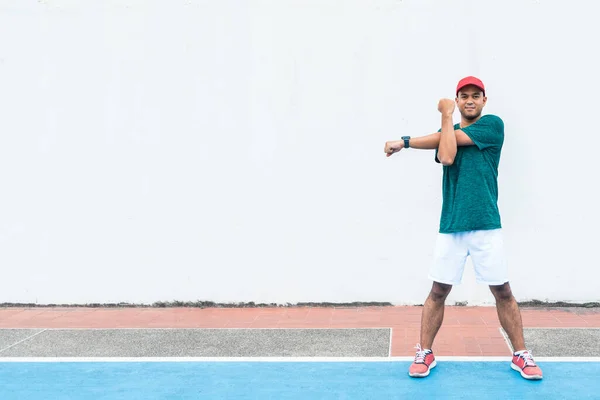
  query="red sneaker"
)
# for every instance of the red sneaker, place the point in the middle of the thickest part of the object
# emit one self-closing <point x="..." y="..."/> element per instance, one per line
<point x="424" y="362"/>
<point x="526" y="366"/>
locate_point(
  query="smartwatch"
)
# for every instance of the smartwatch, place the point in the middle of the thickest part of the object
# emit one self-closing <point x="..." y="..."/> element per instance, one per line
<point x="406" y="141"/>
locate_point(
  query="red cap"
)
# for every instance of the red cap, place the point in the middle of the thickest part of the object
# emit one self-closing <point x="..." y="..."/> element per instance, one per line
<point x="470" y="80"/>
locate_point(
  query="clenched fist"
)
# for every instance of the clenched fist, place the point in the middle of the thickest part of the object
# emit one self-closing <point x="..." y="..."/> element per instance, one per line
<point x="446" y="106"/>
<point x="393" y="147"/>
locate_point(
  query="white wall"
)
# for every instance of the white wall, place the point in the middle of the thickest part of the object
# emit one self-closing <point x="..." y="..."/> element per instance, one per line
<point x="233" y="150"/>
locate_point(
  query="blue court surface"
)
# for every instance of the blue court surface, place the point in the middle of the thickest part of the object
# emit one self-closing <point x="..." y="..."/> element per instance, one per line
<point x="26" y="380"/>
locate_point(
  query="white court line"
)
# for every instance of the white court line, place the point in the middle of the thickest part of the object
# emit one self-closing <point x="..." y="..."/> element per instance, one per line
<point x="390" y="348"/>
<point x="192" y="328"/>
<point x="280" y="359"/>
<point x="256" y="329"/>
<point x="565" y="328"/>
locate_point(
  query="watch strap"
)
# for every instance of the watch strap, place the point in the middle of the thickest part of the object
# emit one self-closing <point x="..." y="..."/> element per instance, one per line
<point x="406" y="141"/>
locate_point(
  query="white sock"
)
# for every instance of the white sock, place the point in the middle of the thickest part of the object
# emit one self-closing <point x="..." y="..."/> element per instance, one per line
<point x="427" y="350"/>
<point x="518" y="353"/>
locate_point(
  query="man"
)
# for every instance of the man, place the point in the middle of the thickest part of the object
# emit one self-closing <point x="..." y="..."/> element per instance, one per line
<point x="470" y="220"/>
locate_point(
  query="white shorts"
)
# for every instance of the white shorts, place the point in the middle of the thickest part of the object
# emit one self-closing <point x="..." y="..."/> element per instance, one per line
<point x="486" y="248"/>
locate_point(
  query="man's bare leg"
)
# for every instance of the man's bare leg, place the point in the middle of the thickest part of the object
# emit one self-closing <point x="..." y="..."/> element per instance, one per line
<point x="509" y="315"/>
<point x="433" y="313"/>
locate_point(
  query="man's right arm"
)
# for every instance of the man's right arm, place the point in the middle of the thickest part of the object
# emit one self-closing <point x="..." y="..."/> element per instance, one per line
<point x="428" y="142"/>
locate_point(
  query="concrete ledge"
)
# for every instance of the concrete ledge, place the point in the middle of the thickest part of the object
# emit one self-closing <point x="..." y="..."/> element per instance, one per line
<point x="197" y="343"/>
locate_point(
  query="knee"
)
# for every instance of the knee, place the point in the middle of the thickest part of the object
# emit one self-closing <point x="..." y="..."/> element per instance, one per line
<point x="502" y="292"/>
<point x="439" y="292"/>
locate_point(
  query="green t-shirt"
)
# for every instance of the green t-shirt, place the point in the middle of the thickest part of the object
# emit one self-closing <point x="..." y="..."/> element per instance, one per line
<point x="470" y="184"/>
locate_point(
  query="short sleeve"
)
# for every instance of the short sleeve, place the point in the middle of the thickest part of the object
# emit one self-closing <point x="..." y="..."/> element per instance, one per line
<point x="487" y="132"/>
